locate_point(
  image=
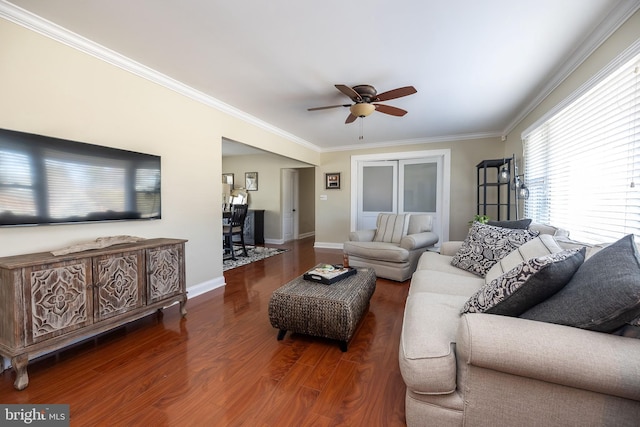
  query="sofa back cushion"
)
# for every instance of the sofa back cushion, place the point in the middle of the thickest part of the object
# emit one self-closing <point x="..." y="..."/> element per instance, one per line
<point x="485" y="245"/>
<point x="391" y="228"/>
<point x="542" y="245"/>
<point x="522" y="224"/>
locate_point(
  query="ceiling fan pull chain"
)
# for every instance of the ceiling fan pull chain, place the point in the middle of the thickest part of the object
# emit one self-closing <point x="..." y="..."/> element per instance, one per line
<point x="361" y="137"/>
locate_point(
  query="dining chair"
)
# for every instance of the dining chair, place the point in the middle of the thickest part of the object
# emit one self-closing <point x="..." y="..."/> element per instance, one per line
<point x="235" y="227"/>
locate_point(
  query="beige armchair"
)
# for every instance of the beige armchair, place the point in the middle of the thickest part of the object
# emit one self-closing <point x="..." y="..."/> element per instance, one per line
<point x="393" y="248"/>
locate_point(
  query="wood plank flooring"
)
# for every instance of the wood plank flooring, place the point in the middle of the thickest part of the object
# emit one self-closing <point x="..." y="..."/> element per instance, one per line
<point x="222" y="364"/>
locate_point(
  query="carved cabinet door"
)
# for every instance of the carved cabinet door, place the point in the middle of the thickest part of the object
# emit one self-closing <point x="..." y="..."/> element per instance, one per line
<point x="57" y="298"/>
<point x="118" y="283"/>
<point x="165" y="272"/>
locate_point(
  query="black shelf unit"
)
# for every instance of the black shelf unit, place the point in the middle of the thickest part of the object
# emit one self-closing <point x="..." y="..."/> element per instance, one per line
<point x="493" y="196"/>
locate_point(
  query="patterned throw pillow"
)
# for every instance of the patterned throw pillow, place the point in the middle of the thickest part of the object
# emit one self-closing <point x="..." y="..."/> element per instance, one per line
<point x="603" y="295"/>
<point x="485" y="245"/>
<point x="526" y="285"/>
<point x="391" y="228"/>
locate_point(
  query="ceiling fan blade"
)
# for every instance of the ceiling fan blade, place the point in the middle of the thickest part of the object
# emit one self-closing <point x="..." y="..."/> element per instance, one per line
<point x="396" y="93"/>
<point x="350" y="119"/>
<point x="349" y="92"/>
<point x="329" y="106"/>
<point x="387" y="109"/>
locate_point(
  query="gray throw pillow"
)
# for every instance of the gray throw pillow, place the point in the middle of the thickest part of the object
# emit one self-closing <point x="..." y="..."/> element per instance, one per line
<point x="527" y="284"/>
<point x="485" y="245"/>
<point x="521" y="224"/>
<point x="603" y="295"/>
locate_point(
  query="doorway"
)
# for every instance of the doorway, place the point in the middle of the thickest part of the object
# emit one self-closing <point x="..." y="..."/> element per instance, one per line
<point x="290" y="212"/>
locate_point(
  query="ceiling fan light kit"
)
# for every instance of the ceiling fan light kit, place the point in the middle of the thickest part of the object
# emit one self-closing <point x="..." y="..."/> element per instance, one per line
<point x="364" y="97"/>
<point x="362" y="109"/>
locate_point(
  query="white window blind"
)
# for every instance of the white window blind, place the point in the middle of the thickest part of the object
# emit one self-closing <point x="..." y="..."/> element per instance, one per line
<point x="582" y="166"/>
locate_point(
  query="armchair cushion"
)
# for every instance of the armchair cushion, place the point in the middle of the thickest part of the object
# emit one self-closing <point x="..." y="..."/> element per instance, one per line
<point x="390" y="228"/>
<point x="526" y="285"/>
<point x="390" y="252"/>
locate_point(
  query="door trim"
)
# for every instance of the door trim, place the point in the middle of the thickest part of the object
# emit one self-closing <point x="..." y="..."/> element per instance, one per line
<point x="444" y="154"/>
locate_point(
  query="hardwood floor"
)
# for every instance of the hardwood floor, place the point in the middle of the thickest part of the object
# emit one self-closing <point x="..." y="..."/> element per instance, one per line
<point x="222" y="364"/>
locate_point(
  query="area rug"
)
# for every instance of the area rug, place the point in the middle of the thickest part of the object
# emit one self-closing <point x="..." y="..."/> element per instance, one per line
<point x="256" y="253"/>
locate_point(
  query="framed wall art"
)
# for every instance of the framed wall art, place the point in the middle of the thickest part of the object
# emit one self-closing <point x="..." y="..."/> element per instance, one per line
<point x="332" y="180"/>
<point x="227" y="178"/>
<point x="251" y="181"/>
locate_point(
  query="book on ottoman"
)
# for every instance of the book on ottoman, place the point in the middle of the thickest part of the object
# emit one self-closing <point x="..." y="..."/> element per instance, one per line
<point x="328" y="274"/>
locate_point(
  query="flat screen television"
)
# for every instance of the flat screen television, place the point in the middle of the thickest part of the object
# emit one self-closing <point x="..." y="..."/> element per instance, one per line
<point x="45" y="180"/>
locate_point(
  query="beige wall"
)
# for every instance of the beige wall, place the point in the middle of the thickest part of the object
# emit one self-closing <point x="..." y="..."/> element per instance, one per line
<point x="333" y="215"/>
<point x="268" y="196"/>
<point x="51" y="89"/>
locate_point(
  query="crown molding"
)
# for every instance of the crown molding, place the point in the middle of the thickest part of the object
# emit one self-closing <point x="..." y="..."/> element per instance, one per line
<point x="53" y="31"/>
<point x="616" y="17"/>
<point x="417" y="141"/>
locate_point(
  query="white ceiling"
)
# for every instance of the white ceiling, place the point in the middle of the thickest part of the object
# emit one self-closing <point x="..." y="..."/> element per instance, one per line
<point x="478" y="66"/>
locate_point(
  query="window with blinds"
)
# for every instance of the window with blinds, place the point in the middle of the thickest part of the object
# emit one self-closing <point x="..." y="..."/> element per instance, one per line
<point x="582" y="165"/>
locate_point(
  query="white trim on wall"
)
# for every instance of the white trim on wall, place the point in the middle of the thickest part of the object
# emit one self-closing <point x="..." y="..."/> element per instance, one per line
<point x="53" y="31"/>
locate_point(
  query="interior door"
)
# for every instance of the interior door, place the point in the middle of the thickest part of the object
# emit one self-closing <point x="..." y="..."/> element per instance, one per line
<point x="378" y="191"/>
<point x="422" y="184"/>
<point x="419" y="181"/>
<point x="289" y="204"/>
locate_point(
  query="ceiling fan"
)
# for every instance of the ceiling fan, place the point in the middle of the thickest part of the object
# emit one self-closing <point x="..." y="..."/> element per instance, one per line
<point x="364" y="97"/>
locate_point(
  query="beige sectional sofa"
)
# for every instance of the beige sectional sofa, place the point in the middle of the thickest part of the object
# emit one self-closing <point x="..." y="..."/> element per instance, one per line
<point x="479" y="369"/>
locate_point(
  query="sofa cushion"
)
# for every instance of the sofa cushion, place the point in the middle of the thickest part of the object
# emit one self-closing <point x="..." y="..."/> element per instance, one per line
<point x="485" y="245"/>
<point x="529" y="283"/>
<point x="540" y="246"/>
<point x="521" y="224"/>
<point x="391" y="227"/>
<point x="391" y="252"/>
<point x="438" y="282"/>
<point x="603" y="295"/>
<point x="426" y="355"/>
<point x="434" y="261"/>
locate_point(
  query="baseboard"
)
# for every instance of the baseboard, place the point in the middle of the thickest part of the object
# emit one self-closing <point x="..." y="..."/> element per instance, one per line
<point x="273" y="242"/>
<point x="327" y="245"/>
<point x="201" y="288"/>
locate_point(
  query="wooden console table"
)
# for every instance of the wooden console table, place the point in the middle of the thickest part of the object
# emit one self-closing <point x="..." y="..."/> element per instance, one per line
<point x="48" y="302"/>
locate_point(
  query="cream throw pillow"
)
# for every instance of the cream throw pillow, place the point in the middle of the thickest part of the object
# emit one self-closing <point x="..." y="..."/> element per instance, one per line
<point x="542" y="245"/>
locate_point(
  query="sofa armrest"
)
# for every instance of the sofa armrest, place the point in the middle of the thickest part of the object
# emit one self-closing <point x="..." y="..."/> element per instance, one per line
<point x="573" y="357"/>
<point x="450" y="248"/>
<point x="362" y="235"/>
<point x="419" y="240"/>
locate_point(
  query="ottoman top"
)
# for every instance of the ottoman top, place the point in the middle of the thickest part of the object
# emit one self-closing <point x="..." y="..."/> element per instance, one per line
<point x="343" y="289"/>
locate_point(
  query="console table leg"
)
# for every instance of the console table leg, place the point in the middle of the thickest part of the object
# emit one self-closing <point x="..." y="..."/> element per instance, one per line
<point x="19" y="364"/>
<point x="183" y="307"/>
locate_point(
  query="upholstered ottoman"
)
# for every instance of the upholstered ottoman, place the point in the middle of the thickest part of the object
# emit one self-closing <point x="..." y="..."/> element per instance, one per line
<point x="329" y="311"/>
